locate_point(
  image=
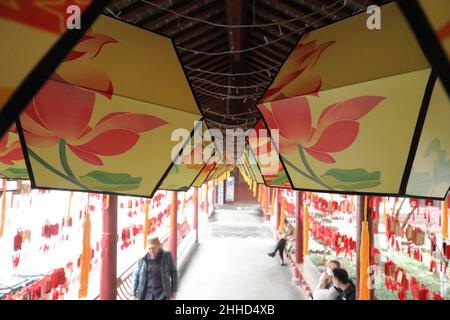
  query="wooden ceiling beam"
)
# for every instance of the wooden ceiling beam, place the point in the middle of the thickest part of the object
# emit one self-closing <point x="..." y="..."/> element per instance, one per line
<point x="174" y="28"/>
<point x="186" y="8"/>
<point x="181" y="37"/>
<point x="311" y="6"/>
<point x="219" y="45"/>
<point x="203" y="61"/>
<point x="234" y="10"/>
<point x="275" y="47"/>
<point x="138" y="10"/>
<point x="202" y="41"/>
<point x="275" y="32"/>
<point x="264" y="53"/>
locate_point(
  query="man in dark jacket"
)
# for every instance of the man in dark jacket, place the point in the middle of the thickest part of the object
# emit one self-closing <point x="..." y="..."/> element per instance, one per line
<point x="155" y="276"/>
<point x="342" y="282"/>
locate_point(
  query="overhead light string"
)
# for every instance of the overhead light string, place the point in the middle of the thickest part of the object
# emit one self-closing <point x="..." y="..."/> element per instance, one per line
<point x="227" y="74"/>
<point x="267" y="43"/>
<point x="242" y="26"/>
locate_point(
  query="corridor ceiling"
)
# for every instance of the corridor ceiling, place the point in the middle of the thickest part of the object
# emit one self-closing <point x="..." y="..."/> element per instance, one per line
<point x="226" y="98"/>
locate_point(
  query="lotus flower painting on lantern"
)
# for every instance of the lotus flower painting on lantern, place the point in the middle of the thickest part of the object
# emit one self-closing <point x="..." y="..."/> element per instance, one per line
<point x="253" y="165"/>
<point x="347" y="108"/>
<point x="430" y="173"/>
<point x="266" y="155"/>
<point x="92" y="128"/>
<point x="12" y="164"/>
<point x="436" y="12"/>
<point x="201" y="178"/>
<point x="31" y="28"/>
<point x="190" y="163"/>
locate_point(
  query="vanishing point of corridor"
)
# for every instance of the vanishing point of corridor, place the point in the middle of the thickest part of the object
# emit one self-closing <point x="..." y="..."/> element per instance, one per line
<point x="231" y="262"/>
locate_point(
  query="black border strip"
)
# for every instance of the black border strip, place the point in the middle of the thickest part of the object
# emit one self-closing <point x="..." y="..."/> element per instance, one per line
<point x="26" y="157"/>
<point x="356" y="193"/>
<point x="198" y="174"/>
<point x="213" y="172"/>
<point x="427" y="39"/>
<point x="46" y="66"/>
<point x="265" y="182"/>
<point x="434" y="198"/>
<point x="214" y="176"/>
<point x="418" y="131"/>
<point x="248" y="170"/>
<point x="184" y="189"/>
<point x="257" y="164"/>
<point x="296" y="189"/>
<point x="259" y="168"/>
<point x="161" y="180"/>
<point x="178" y="56"/>
<point x="206" y="163"/>
<point x="276" y="149"/>
<point x="347" y="192"/>
<point x="35" y="186"/>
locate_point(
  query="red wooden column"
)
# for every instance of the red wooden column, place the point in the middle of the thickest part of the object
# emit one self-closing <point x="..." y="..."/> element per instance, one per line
<point x="173" y="226"/>
<point x="298" y="197"/>
<point x="108" y="274"/>
<point x="195" y="204"/>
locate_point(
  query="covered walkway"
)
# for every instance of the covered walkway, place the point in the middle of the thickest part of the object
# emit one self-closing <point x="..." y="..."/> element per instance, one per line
<point x="231" y="260"/>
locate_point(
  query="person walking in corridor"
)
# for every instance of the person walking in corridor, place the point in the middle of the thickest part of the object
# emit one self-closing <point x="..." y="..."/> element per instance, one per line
<point x="155" y="276"/>
<point x="281" y="244"/>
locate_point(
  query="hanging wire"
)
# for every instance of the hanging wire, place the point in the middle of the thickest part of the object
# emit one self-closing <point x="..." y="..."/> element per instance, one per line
<point x="234" y="117"/>
<point x="234" y="74"/>
<point x="117" y="15"/>
<point x="229" y="87"/>
<point x="223" y="96"/>
<point x="263" y="44"/>
<point x="241" y="26"/>
<point x="266" y="70"/>
<point x="223" y="126"/>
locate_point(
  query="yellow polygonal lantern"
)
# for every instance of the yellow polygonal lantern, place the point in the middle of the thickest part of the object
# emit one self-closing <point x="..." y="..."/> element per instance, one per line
<point x="102" y="126"/>
<point x="353" y="110"/>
